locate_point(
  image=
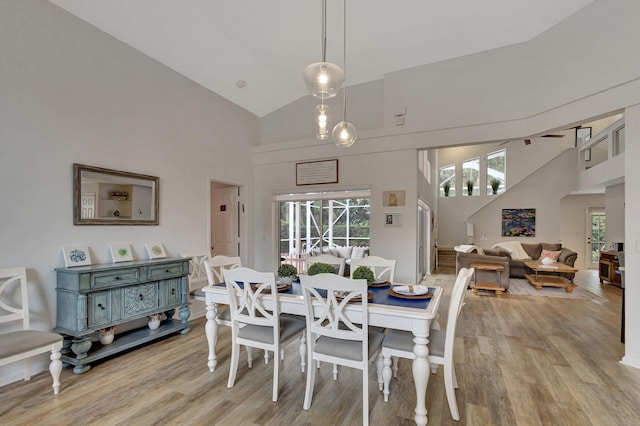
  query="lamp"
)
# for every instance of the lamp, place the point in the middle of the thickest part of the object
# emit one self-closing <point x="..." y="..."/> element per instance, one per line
<point x="322" y="121"/>
<point x="344" y="133"/>
<point x="323" y="79"/>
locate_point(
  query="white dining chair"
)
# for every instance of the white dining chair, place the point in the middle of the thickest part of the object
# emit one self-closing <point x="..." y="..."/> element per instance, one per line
<point x="337" y="262"/>
<point x="400" y="344"/>
<point x="382" y="268"/>
<point x="23" y="344"/>
<point x="255" y="318"/>
<point x="197" y="272"/>
<point x="333" y="335"/>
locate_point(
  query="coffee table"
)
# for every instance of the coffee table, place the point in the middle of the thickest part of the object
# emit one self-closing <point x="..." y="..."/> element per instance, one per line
<point x="497" y="287"/>
<point x="545" y="280"/>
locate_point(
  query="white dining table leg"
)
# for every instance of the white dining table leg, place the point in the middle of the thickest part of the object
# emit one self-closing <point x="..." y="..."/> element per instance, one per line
<point x="420" y="370"/>
<point x="211" y="330"/>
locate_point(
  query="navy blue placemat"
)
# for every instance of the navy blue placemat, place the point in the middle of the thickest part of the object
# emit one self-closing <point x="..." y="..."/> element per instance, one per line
<point x="380" y="296"/>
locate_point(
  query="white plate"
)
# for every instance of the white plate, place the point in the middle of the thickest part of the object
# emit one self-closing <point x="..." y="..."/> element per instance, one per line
<point x="414" y="290"/>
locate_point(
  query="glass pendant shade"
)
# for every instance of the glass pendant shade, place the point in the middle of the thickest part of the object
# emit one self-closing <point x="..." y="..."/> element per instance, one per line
<point x="344" y="134"/>
<point x="322" y="122"/>
<point x="323" y="79"/>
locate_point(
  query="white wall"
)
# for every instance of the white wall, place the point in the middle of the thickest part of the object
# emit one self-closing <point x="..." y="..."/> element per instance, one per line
<point x="615" y="211"/>
<point x="71" y="93"/>
<point x="382" y="171"/>
<point x="543" y="191"/>
<point x="577" y="57"/>
<point x="521" y="161"/>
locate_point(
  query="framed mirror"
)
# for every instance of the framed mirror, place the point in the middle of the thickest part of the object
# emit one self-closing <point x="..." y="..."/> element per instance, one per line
<point x="113" y="197"/>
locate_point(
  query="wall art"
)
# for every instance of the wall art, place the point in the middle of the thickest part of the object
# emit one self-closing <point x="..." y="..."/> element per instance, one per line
<point x="155" y="250"/>
<point x="518" y="222"/>
<point x="120" y="252"/>
<point x="76" y="256"/>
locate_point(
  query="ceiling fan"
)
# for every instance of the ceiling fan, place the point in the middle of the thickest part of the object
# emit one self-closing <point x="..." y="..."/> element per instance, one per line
<point x="528" y="141"/>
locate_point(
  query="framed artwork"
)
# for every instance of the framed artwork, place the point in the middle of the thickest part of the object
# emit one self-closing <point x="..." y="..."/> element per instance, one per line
<point x="393" y="198"/>
<point x="392" y="220"/>
<point x="76" y="256"/>
<point x="518" y="222"/>
<point x="155" y="250"/>
<point x="120" y="252"/>
<point x="317" y="172"/>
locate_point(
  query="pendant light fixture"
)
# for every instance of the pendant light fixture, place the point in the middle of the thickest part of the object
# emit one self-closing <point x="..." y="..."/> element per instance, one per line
<point x="323" y="79"/>
<point x="322" y="121"/>
<point x="344" y="133"/>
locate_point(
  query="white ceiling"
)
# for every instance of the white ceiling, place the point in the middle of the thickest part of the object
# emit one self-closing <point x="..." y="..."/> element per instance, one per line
<point x="268" y="43"/>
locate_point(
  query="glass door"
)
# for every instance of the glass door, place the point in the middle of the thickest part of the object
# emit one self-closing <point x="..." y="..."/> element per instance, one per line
<point x="596" y="235"/>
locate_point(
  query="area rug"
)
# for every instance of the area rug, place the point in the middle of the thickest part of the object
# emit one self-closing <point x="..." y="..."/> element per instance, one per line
<point x="521" y="287"/>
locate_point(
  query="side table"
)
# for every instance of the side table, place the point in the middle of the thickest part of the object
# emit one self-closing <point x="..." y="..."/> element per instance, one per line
<point x="497" y="287"/>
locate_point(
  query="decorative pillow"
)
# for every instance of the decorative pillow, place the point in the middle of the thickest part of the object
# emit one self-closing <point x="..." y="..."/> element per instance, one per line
<point x="344" y="252"/>
<point x="359" y="252"/>
<point x="334" y="251"/>
<point x="550" y="254"/>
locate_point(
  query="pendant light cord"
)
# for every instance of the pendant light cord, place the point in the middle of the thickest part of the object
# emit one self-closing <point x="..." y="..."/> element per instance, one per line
<point x="324" y="30"/>
<point x="344" y="57"/>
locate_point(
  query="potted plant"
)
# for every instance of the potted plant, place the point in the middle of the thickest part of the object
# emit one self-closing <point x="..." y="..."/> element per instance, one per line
<point x="446" y="187"/>
<point x="470" y="187"/>
<point x="321" y="268"/>
<point x="363" y="273"/>
<point x="286" y="273"/>
<point x="495" y="184"/>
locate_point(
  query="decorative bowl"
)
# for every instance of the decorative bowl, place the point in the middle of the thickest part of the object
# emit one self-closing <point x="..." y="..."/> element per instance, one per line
<point x="547" y="261"/>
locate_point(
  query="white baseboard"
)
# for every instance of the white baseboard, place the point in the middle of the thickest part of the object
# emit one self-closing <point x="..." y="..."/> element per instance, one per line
<point x="630" y="361"/>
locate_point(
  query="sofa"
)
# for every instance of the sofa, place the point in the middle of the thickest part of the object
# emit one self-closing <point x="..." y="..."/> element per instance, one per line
<point x="516" y="267"/>
<point x="348" y="253"/>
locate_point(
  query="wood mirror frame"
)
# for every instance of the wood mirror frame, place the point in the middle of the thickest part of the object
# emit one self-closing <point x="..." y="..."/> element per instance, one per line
<point x="113" y="197"/>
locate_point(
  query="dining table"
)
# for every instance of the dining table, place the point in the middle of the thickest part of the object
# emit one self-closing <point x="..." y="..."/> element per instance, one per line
<point x="385" y="310"/>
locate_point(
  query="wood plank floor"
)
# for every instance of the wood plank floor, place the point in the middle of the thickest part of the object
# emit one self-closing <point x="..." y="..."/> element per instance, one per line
<point x="520" y="360"/>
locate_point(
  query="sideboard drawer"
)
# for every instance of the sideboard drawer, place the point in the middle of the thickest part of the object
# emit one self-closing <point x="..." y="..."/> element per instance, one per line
<point x="139" y="299"/>
<point x="165" y="271"/>
<point x="115" y="278"/>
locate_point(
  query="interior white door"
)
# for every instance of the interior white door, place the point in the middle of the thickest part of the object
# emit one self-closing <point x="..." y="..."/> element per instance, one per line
<point x="225" y="221"/>
<point x="88" y="201"/>
<point x="596" y="233"/>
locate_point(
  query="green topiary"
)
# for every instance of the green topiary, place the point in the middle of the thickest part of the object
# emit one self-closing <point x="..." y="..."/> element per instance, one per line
<point x="321" y="268"/>
<point x="363" y="273"/>
<point x="287" y="270"/>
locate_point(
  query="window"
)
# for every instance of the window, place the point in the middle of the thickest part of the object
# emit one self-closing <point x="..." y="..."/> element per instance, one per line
<point x="496" y="172"/>
<point x="618" y="141"/>
<point x="322" y="220"/>
<point x="471" y="177"/>
<point x="447" y="181"/>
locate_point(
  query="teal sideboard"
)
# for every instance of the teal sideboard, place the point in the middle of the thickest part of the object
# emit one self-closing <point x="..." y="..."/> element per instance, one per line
<point x="95" y="297"/>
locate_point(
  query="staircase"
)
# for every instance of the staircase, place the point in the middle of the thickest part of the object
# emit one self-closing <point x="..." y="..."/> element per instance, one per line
<point x="446" y="257"/>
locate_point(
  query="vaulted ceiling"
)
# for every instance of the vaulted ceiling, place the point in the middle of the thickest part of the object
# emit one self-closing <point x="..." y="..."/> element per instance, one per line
<point x="266" y="44"/>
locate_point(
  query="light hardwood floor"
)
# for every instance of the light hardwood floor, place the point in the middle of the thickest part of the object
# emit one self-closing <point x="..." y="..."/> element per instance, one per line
<point x="520" y="360"/>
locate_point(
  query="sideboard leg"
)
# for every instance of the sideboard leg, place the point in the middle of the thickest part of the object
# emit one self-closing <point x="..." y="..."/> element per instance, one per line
<point x="184" y="317"/>
<point x="80" y="347"/>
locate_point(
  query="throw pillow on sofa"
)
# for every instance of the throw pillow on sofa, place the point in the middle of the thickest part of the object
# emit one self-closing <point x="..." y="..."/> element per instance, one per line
<point x="554" y="255"/>
<point x="360" y="252"/>
<point x="344" y="252"/>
